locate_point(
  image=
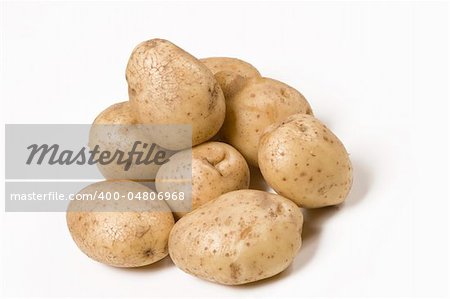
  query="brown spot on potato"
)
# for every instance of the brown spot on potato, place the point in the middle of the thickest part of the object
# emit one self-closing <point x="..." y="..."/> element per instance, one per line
<point x="149" y="252"/>
<point x="272" y="214"/>
<point x="235" y="270"/>
<point x="245" y="232"/>
<point x="279" y="208"/>
<point x="214" y="94"/>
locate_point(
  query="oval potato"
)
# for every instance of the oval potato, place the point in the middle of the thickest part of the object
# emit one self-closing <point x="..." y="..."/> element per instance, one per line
<point x="120" y="233"/>
<point x="217" y="168"/>
<point x="240" y="237"/>
<point x="301" y="159"/>
<point x="167" y="85"/>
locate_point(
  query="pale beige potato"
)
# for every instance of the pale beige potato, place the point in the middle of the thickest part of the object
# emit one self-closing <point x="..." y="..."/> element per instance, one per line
<point x="118" y="113"/>
<point x="217" y="168"/>
<point x="229" y="64"/>
<point x="301" y="159"/>
<point x="116" y="128"/>
<point x="167" y="85"/>
<point x="260" y="103"/>
<point x="240" y="237"/>
<point x="120" y="233"/>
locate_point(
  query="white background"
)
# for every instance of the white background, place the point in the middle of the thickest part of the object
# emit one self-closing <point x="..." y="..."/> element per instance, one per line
<point x="376" y="73"/>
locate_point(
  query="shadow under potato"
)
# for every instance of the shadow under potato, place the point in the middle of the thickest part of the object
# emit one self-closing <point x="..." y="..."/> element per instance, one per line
<point x="257" y="181"/>
<point x="362" y="180"/>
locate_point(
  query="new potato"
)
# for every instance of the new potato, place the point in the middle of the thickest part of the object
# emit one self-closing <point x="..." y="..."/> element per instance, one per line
<point x="240" y="237"/>
<point x="260" y="103"/>
<point x="217" y="168"/>
<point x="120" y="233"/>
<point x="167" y="85"/>
<point x="301" y="159"/>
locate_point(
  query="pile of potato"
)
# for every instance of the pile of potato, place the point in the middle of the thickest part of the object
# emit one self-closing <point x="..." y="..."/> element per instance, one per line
<point x="233" y="235"/>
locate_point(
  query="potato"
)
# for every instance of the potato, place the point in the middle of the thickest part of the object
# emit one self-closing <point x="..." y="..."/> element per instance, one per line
<point x="117" y="114"/>
<point x="260" y="103"/>
<point x="228" y="64"/>
<point x="167" y="85"/>
<point x="116" y="128"/>
<point x="121" y="232"/>
<point x="240" y="237"/>
<point x="301" y="159"/>
<point x="230" y="83"/>
<point x="217" y="168"/>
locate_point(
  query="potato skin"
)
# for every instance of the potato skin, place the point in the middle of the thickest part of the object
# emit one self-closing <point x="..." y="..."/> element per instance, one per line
<point x="119" y="113"/>
<point x="122" y="234"/>
<point x="230" y="73"/>
<point x="116" y="128"/>
<point x="217" y="168"/>
<point x="301" y="159"/>
<point x="260" y="103"/>
<point x="229" y="64"/>
<point x="240" y="237"/>
<point x="167" y="85"/>
<point x="230" y="83"/>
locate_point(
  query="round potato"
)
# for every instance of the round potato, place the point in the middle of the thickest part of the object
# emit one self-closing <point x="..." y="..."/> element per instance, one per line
<point x="167" y="85"/>
<point x="240" y="237"/>
<point x="117" y="129"/>
<point x="260" y="103"/>
<point x="217" y="168"/>
<point x="301" y="159"/>
<point x="120" y="232"/>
